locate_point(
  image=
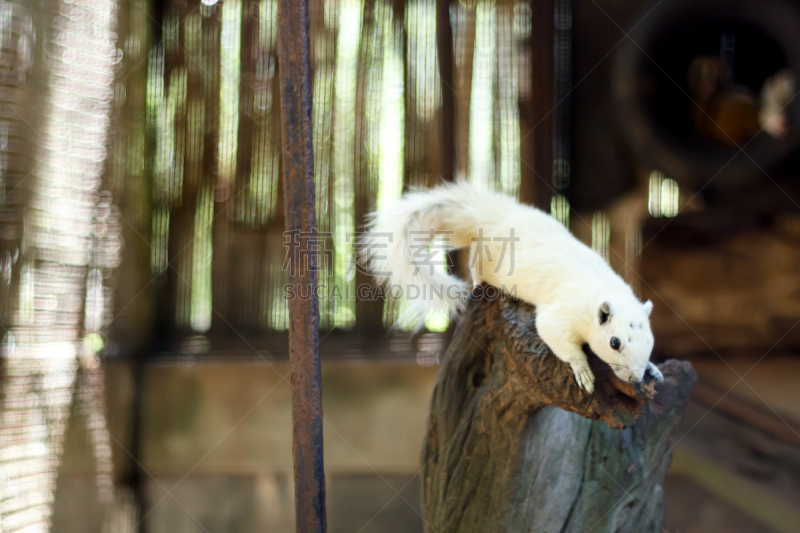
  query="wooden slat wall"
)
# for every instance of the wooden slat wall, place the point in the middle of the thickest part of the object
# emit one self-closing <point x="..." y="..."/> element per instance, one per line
<point x="385" y="115"/>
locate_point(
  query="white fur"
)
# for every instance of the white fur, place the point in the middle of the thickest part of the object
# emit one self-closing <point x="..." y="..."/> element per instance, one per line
<point x="567" y="281"/>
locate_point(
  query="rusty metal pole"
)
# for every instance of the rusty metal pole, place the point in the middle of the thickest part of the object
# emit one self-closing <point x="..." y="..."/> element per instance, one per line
<point x="294" y="55"/>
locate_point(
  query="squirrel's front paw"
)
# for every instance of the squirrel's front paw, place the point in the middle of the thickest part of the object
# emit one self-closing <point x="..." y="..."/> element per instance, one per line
<point x="584" y="376"/>
<point x="653" y="372"/>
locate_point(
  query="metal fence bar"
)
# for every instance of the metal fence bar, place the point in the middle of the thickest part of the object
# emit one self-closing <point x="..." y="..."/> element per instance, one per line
<point x="294" y="55"/>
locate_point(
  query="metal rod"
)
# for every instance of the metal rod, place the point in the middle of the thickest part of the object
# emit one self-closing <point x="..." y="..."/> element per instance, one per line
<point x="294" y="55"/>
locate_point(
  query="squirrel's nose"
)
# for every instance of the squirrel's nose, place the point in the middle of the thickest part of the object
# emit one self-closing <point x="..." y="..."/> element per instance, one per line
<point x="651" y="373"/>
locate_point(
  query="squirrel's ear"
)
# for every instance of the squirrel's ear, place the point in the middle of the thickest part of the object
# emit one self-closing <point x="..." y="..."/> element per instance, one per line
<point x="604" y="312"/>
<point x="648" y="307"/>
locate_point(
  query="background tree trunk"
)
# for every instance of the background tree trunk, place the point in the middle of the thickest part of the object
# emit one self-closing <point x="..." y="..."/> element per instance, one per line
<point x="503" y="452"/>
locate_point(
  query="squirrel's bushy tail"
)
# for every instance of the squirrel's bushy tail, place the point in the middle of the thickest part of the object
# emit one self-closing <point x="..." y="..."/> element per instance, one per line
<point x="397" y="246"/>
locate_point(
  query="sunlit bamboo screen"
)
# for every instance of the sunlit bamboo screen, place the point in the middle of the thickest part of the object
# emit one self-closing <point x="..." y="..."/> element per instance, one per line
<point x="213" y="114"/>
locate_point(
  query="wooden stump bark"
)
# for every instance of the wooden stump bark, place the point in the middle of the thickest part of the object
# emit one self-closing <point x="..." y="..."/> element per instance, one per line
<point x="514" y="445"/>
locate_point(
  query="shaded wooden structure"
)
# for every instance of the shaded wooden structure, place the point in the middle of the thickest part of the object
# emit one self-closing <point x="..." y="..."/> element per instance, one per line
<point x="499" y="455"/>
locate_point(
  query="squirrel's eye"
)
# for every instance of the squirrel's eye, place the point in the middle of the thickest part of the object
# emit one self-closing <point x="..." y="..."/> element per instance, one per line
<point x="615" y="343"/>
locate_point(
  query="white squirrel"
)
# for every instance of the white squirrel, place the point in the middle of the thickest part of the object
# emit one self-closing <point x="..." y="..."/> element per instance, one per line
<point x="579" y="299"/>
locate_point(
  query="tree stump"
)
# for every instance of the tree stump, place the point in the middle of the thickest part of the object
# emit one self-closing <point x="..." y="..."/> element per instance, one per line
<point x="514" y="445"/>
